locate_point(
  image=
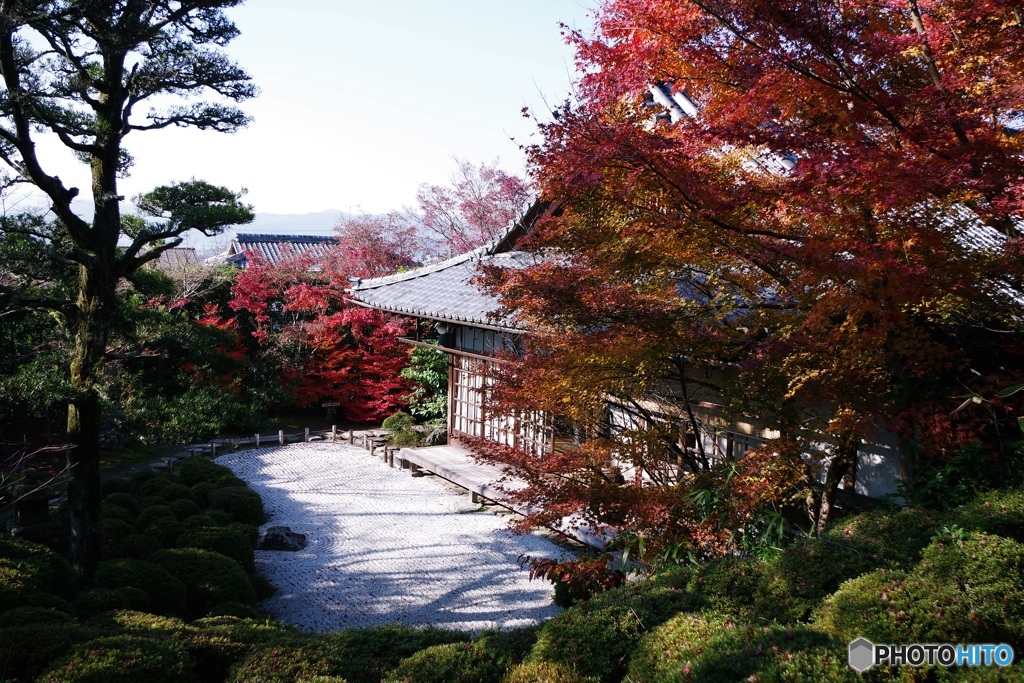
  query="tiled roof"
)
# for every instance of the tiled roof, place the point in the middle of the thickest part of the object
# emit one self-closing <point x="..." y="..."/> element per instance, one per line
<point x="443" y="291"/>
<point x="177" y="257"/>
<point x="273" y="248"/>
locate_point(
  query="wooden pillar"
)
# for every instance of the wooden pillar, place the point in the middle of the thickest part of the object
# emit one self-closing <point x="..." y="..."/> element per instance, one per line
<point x="280" y="437"/>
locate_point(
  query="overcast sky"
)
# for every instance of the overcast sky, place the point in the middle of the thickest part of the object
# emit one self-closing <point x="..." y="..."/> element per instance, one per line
<point x="363" y="101"/>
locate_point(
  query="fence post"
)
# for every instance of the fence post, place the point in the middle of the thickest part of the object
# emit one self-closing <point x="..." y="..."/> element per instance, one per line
<point x="280" y="436"/>
<point x="257" y="439"/>
<point x="334" y="433"/>
<point x="213" y="449"/>
<point x="305" y="438"/>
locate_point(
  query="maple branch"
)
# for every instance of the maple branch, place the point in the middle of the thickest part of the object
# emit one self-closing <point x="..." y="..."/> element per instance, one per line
<point x="933" y="69"/>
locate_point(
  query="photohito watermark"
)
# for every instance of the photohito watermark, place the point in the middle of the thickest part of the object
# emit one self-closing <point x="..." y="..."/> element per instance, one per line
<point x="864" y="654"/>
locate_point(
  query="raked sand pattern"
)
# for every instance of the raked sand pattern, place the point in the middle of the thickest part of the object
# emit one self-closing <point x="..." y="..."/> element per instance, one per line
<point x="385" y="547"/>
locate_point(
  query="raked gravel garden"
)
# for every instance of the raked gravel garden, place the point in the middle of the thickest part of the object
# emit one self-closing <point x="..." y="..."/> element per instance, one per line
<point x="387" y="548"/>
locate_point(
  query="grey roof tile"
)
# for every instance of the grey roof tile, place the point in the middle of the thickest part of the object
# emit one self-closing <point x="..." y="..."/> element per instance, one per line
<point x="443" y="291"/>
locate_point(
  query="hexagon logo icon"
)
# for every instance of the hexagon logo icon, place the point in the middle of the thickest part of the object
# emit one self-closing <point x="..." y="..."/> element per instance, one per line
<point x="862" y="655"/>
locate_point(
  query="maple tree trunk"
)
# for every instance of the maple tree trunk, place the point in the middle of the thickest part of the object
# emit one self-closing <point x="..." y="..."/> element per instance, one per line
<point x="838" y="467"/>
<point x="95" y="303"/>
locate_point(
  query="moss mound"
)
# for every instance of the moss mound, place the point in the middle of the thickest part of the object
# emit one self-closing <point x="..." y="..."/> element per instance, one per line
<point x="596" y="638"/>
<point x="713" y="647"/>
<point x="209" y="578"/>
<point x="124" y="659"/>
<point x="165" y="594"/>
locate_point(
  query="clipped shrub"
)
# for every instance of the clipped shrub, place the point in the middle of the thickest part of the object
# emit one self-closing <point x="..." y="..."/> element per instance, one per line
<point x="142" y="624"/>
<point x="402" y="434"/>
<point x="121" y="499"/>
<point x="176" y="491"/>
<point x="728" y="584"/>
<point x="264" y="589"/>
<point x="873" y="606"/>
<point x="398" y="422"/>
<point x="124" y="659"/>
<point x="166" y="530"/>
<point x="196" y="470"/>
<point x="971" y="590"/>
<point x="225" y="540"/>
<point x="889" y="539"/>
<point x="981" y="580"/>
<point x="358" y="655"/>
<point x="165" y="594"/>
<point x="202" y="491"/>
<point x="203" y="520"/>
<point x="233" y="608"/>
<point x="209" y="577"/>
<point x="795" y="581"/>
<point x="151" y="513"/>
<point x="151" y="501"/>
<point x="113" y="530"/>
<point x="154" y="486"/>
<point x="138" y="546"/>
<point x="485" y="660"/>
<point x="454" y="662"/>
<point x="95" y="601"/>
<point x="249" y="532"/>
<point x="243" y="504"/>
<point x="118" y="485"/>
<point x="711" y="647"/>
<point x="220" y="641"/>
<point x="1000" y="513"/>
<point x="991" y="674"/>
<point x="34" y="615"/>
<point x="139" y="477"/>
<point x="596" y="638"/>
<point x="546" y="672"/>
<point x="28" y="568"/>
<point x="184" y="508"/>
<point x="30" y="647"/>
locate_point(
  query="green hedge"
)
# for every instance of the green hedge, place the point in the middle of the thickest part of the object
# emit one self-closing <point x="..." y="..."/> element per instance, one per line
<point x="209" y="578"/>
<point x="358" y="655"/>
<point x="141" y="624"/>
<point x="217" y="643"/>
<point x="243" y="504"/>
<point x="165" y="594"/>
<point x="196" y="470"/>
<point x="714" y="648"/>
<point x="1000" y="513"/>
<point x="486" y="660"/>
<point x="95" y="601"/>
<point x="28" y="570"/>
<point x="597" y="637"/>
<point x="969" y="591"/>
<point x="228" y="541"/>
<point x="124" y="659"/>
<point x="30" y="647"/>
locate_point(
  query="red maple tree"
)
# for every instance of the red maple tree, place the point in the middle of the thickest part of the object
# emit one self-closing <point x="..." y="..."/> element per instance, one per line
<point x="323" y="348"/>
<point x="806" y="210"/>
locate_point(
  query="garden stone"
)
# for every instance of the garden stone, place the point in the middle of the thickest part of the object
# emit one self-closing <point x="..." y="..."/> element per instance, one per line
<point x="438" y="437"/>
<point x="281" y="538"/>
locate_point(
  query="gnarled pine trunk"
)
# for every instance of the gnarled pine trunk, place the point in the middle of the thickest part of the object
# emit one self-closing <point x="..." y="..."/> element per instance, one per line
<point x="95" y="304"/>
